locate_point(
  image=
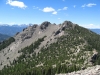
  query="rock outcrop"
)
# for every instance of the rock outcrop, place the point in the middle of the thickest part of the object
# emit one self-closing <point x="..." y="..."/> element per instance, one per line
<point x="44" y="25"/>
<point x="28" y="32"/>
<point x="95" y="70"/>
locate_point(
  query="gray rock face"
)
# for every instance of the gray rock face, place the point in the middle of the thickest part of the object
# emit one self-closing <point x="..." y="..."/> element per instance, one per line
<point x="44" y="25"/>
<point x="28" y="32"/>
<point x="57" y="32"/>
<point x="35" y="25"/>
<point x="67" y="24"/>
<point x="64" y="25"/>
<point x="95" y="70"/>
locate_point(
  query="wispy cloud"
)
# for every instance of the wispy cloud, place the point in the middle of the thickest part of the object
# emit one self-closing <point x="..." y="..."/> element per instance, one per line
<point x="74" y="6"/>
<point x="60" y="20"/>
<point x="89" y="5"/>
<point x="92" y="26"/>
<point x="54" y="13"/>
<point x="64" y="8"/>
<point x="83" y="5"/>
<point x="63" y="0"/>
<point x="16" y="3"/>
<point x="59" y="9"/>
<point x="12" y="23"/>
<point x="34" y="7"/>
<point x="49" y="9"/>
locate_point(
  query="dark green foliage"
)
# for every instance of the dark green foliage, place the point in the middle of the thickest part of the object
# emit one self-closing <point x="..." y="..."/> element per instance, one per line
<point x="39" y="70"/>
<point x="6" y="43"/>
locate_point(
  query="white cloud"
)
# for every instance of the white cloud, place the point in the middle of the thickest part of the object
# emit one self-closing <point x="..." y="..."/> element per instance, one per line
<point x="89" y="5"/>
<point x="12" y="23"/>
<point x="74" y="6"/>
<point x="59" y="9"/>
<point x="91" y="26"/>
<point x="50" y="9"/>
<point x="83" y="5"/>
<point x="65" y="8"/>
<point x="54" y="12"/>
<point x="16" y="3"/>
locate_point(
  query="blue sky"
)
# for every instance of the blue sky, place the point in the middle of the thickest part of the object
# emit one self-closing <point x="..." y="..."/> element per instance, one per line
<point x="86" y="13"/>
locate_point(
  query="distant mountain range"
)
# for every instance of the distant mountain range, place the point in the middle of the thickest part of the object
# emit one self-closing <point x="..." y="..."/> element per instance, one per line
<point x="96" y="30"/>
<point x="11" y="30"/>
<point x="3" y="37"/>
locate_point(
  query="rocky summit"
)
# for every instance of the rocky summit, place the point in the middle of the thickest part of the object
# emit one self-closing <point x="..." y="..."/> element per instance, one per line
<point x="49" y="49"/>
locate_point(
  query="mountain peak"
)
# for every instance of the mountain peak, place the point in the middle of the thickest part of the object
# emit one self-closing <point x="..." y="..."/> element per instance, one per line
<point x="67" y="23"/>
<point x="45" y="24"/>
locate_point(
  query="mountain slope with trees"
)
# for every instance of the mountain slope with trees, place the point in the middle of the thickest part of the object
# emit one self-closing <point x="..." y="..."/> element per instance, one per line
<point x="65" y="49"/>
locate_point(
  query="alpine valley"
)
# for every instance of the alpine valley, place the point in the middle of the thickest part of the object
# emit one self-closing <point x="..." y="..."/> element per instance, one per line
<point x="50" y="49"/>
